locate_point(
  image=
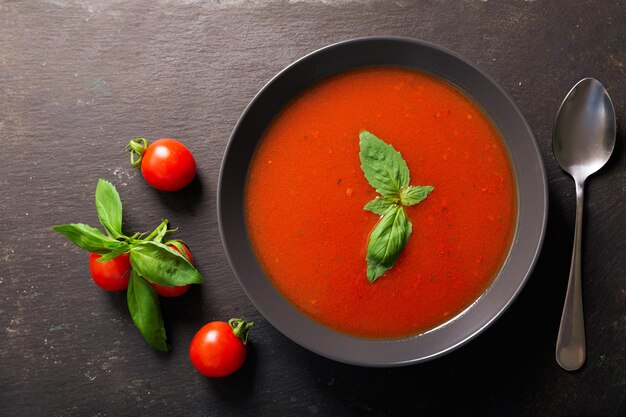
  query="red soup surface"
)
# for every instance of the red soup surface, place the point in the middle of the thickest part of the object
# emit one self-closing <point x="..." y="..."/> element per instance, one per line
<point x="306" y="191"/>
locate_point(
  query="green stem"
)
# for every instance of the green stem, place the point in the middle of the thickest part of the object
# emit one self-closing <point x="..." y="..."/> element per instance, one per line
<point x="137" y="147"/>
<point x="156" y="231"/>
<point x="240" y="328"/>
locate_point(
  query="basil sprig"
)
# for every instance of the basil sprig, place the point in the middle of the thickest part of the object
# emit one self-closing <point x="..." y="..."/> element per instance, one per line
<point x="386" y="171"/>
<point x="144" y="307"/>
<point x="89" y="238"/>
<point x="109" y="207"/>
<point x="151" y="261"/>
<point x="162" y="265"/>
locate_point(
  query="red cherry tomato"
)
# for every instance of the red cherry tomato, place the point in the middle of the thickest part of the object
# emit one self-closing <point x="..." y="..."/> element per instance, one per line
<point x="170" y="292"/>
<point x="166" y="291"/>
<point x="219" y="348"/>
<point x="110" y="275"/>
<point x="166" y="164"/>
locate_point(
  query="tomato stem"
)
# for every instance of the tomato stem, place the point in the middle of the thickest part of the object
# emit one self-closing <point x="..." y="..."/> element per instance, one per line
<point x="240" y="328"/>
<point x="137" y="147"/>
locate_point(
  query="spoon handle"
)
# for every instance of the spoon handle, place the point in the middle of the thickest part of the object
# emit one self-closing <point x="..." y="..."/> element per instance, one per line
<point x="570" y="344"/>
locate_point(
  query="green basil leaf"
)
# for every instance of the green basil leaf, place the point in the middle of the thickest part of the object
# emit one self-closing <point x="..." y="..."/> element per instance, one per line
<point x="162" y="265"/>
<point x="88" y="238"/>
<point x="109" y="208"/>
<point x="382" y="165"/>
<point x="114" y="253"/>
<point x="387" y="172"/>
<point x="387" y="241"/>
<point x="178" y="244"/>
<point x="414" y="194"/>
<point x="144" y="307"/>
<point x="380" y="205"/>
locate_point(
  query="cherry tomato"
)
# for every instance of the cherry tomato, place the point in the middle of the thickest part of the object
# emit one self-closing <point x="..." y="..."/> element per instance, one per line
<point x="167" y="291"/>
<point x="219" y="348"/>
<point x="110" y="275"/>
<point x="166" y="164"/>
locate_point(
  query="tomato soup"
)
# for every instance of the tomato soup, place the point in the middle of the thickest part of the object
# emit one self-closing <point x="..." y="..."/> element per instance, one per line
<point x="305" y="194"/>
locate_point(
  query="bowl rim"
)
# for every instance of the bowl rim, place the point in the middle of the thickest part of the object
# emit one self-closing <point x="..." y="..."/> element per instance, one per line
<point x="371" y="352"/>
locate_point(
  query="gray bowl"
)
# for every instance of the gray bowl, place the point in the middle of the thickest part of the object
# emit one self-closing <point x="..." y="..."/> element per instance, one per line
<point x="531" y="192"/>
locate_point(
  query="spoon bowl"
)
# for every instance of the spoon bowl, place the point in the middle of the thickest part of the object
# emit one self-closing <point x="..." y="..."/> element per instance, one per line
<point x="584" y="138"/>
<point x="584" y="133"/>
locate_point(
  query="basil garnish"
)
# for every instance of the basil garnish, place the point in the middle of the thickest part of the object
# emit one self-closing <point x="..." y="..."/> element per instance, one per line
<point x="387" y="172"/>
<point x="124" y="248"/>
<point x="88" y="238"/>
<point x="109" y="207"/>
<point x="383" y="166"/>
<point x="380" y="205"/>
<point x="162" y="265"/>
<point x="387" y="241"/>
<point x="143" y="304"/>
<point x="414" y="194"/>
<point x="151" y="260"/>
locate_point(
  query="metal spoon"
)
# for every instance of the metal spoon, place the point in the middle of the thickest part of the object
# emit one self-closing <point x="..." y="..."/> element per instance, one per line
<point x="584" y="138"/>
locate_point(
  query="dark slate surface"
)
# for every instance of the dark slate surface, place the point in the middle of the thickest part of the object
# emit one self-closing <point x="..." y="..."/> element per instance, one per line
<point x="80" y="78"/>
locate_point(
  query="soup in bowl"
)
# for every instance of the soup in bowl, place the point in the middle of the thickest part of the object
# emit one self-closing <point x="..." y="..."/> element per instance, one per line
<point x="294" y="194"/>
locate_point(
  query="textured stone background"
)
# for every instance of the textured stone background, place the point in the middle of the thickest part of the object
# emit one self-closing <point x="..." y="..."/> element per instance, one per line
<point x="80" y="78"/>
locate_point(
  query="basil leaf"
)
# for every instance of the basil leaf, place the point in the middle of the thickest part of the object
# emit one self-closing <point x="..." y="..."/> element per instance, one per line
<point x="388" y="173"/>
<point x="114" y="253"/>
<point x="387" y="241"/>
<point x="380" y="205"/>
<point x="382" y="165"/>
<point x="178" y="244"/>
<point x="144" y="307"/>
<point x="414" y="194"/>
<point x="88" y="238"/>
<point x="109" y="207"/>
<point x="162" y="265"/>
